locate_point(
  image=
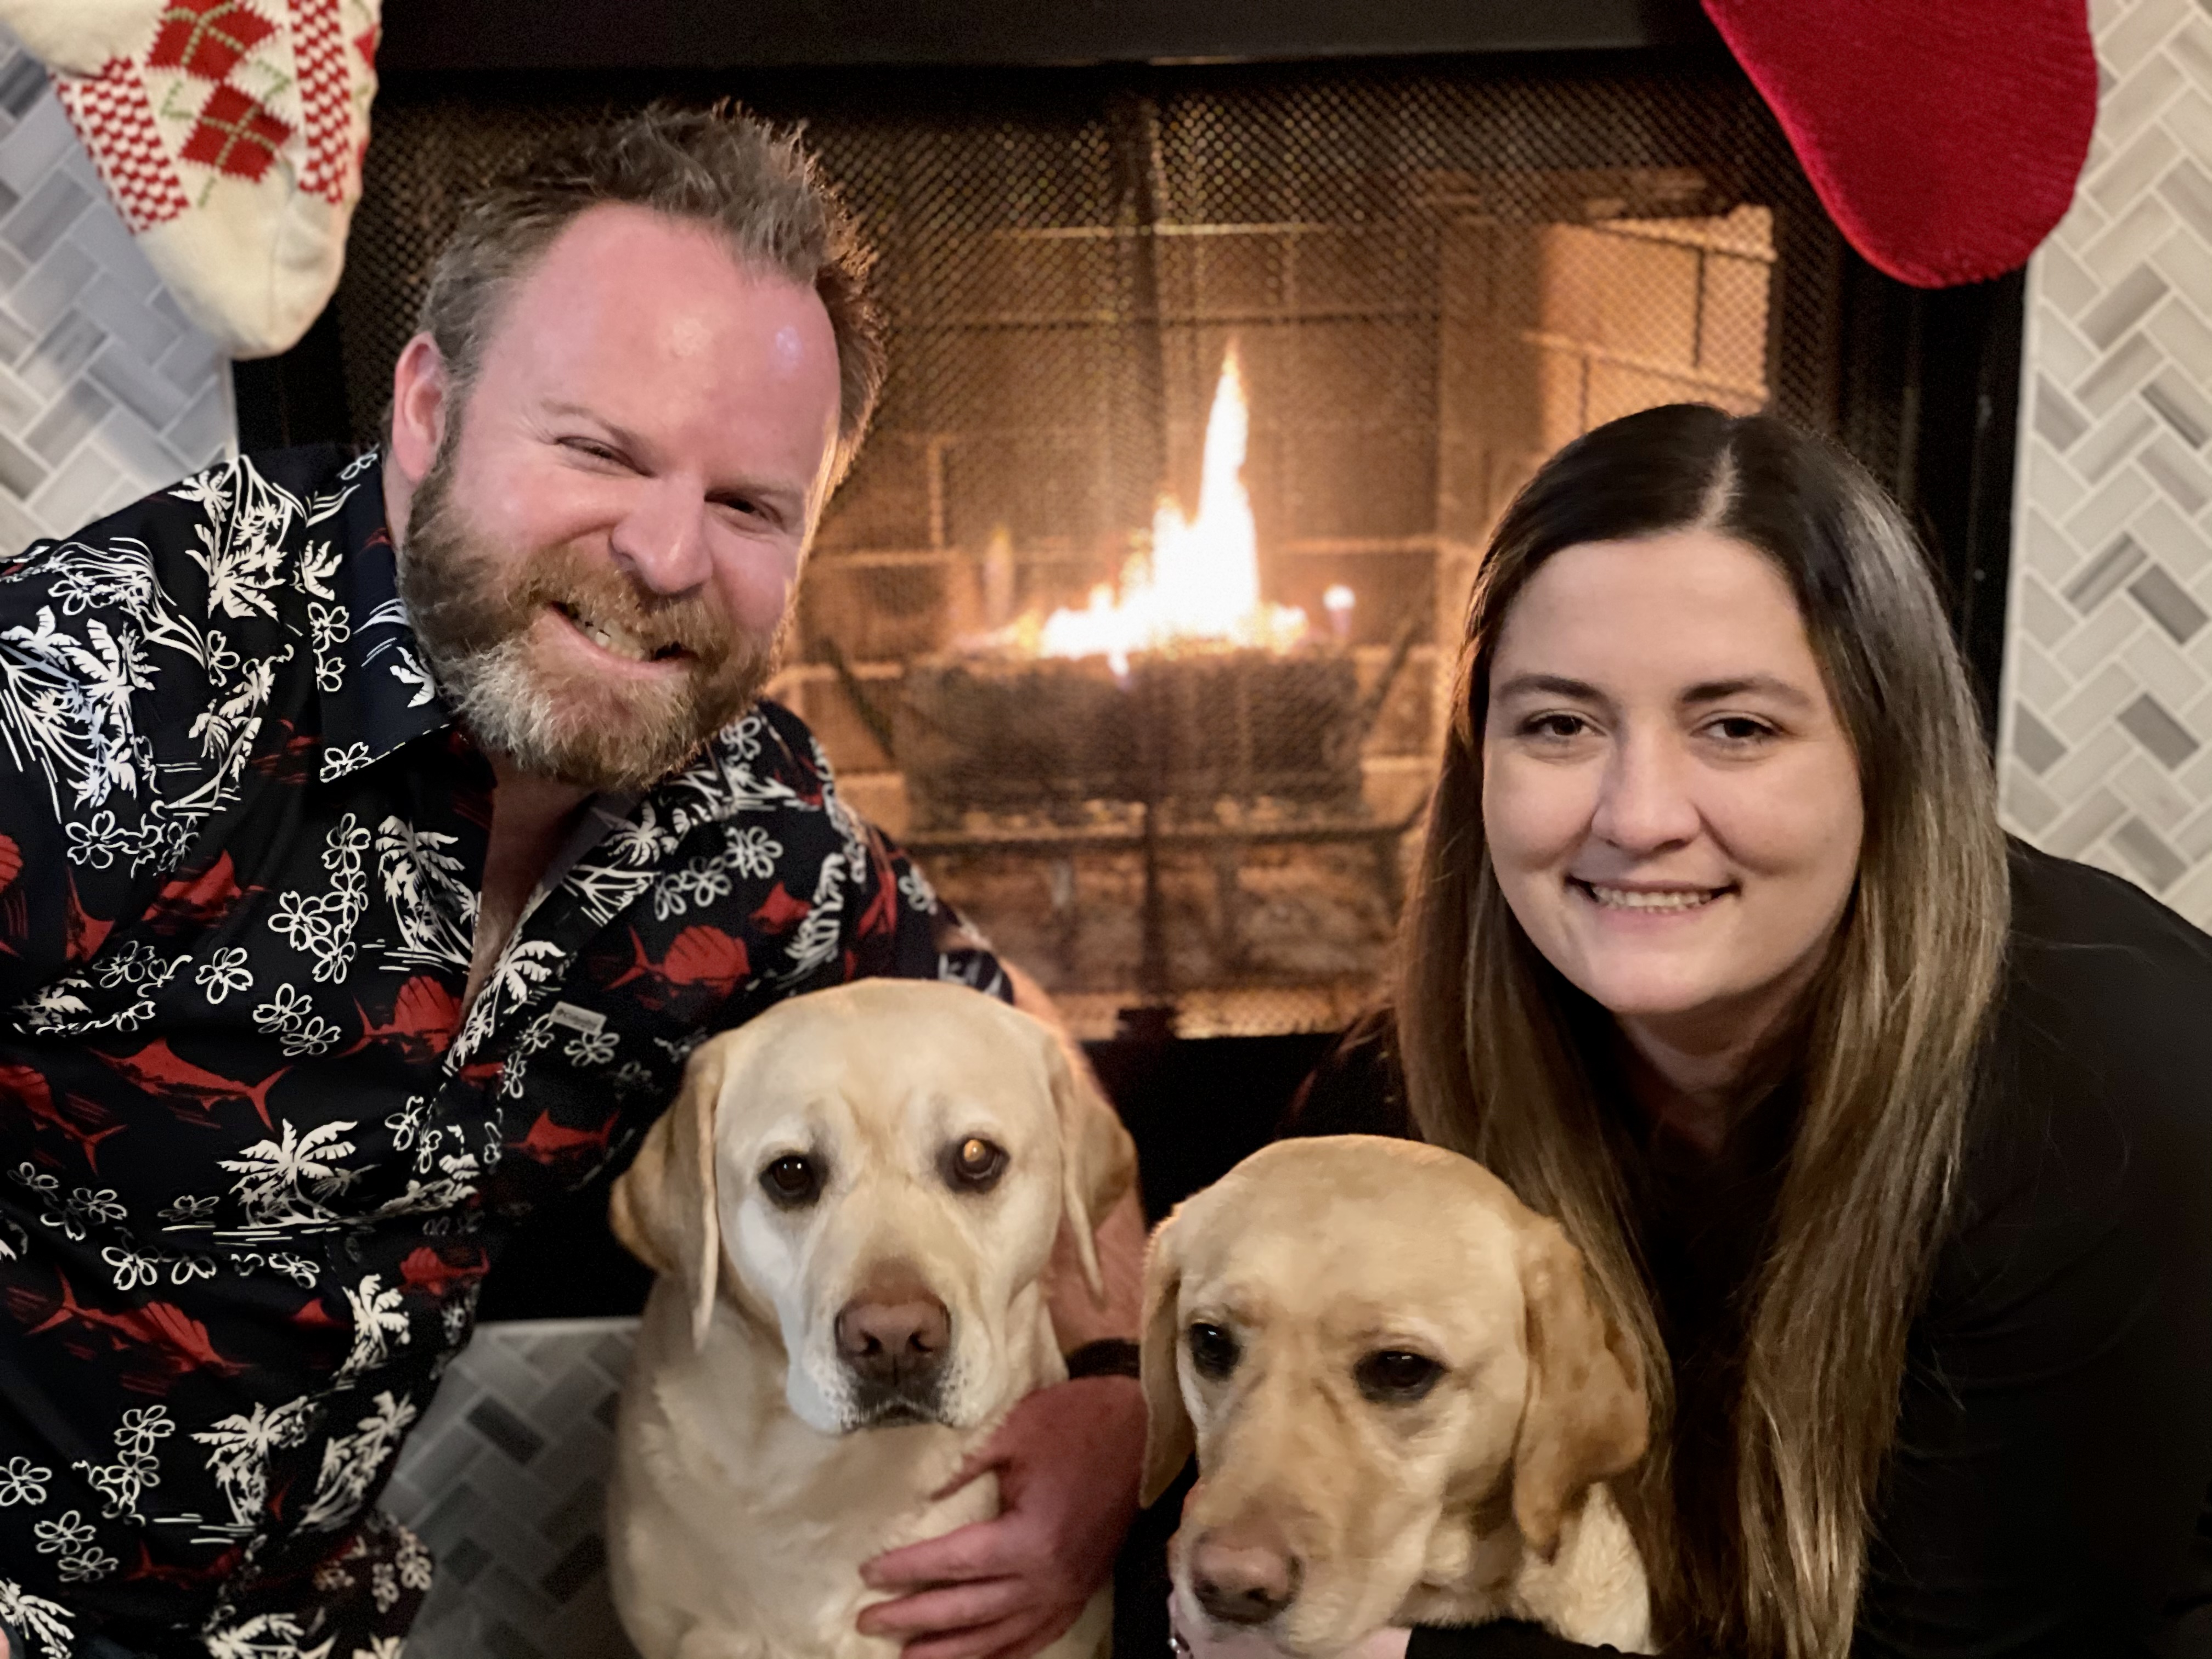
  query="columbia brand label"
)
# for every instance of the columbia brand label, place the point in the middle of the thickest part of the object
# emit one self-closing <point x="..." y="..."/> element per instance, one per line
<point x="578" y="1019"/>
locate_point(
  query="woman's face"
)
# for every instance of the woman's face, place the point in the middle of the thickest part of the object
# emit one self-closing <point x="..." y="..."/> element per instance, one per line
<point x="1671" y="804"/>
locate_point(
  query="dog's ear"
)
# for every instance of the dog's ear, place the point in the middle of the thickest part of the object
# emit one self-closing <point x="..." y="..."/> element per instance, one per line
<point x="1097" y="1159"/>
<point x="662" y="1207"/>
<point x="1585" y="1418"/>
<point x="1169" y="1439"/>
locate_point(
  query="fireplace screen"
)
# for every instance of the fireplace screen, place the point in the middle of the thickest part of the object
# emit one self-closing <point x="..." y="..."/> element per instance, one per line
<point x="1135" y="617"/>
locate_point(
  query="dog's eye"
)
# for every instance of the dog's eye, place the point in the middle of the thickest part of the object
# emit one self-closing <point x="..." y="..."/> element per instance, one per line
<point x="793" y="1181"/>
<point x="1393" y="1376"/>
<point x="1214" y="1351"/>
<point x="975" y="1163"/>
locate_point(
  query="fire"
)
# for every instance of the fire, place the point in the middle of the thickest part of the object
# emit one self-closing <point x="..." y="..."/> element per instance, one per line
<point x="1201" y="583"/>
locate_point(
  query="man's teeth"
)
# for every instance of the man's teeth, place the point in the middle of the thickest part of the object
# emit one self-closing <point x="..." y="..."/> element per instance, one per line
<point x="617" y="641"/>
<point x="1624" y="898"/>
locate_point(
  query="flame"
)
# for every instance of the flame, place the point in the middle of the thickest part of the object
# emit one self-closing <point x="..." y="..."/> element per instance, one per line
<point x="1201" y="583"/>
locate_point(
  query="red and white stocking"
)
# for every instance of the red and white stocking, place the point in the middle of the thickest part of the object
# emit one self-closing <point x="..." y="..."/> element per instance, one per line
<point x="230" y="133"/>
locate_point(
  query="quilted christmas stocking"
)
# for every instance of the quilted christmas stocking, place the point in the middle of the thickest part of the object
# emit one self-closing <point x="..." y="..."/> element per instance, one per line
<point x="230" y="133"/>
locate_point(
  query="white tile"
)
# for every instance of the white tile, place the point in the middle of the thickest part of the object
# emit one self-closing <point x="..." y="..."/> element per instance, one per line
<point x="2144" y="786"/>
<point x="2170" y="677"/>
<point x="2182" y="259"/>
<point x="2188" y="118"/>
<point x="2137" y="98"/>
<point x="2031" y="675"/>
<point x="2082" y="822"/>
<point x="2057" y="276"/>
<point x="2183" y="332"/>
<point x="2052" y="485"/>
<point x="2134" y="37"/>
<point x="2100" y="518"/>
<point x="2089" y="766"/>
<point x="2192" y="896"/>
<point x="2130" y="237"/>
<point x="2060" y="352"/>
<point x="2097" y="700"/>
<point x="2046" y="616"/>
<point x="2182" y="547"/>
<point x="2027" y="806"/>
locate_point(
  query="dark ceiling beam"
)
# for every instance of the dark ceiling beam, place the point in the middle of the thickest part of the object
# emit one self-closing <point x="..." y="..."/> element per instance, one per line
<point x="647" y="35"/>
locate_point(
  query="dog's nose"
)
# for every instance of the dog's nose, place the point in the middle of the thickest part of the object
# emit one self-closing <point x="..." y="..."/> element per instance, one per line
<point x="894" y="1342"/>
<point x="1243" y="1575"/>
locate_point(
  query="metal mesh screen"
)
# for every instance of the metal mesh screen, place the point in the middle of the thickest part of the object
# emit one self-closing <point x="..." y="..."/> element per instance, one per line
<point x="1431" y="273"/>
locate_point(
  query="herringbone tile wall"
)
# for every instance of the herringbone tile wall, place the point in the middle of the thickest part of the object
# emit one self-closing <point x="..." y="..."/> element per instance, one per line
<point x="106" y="391"/>
<point x="2107" y="731"/>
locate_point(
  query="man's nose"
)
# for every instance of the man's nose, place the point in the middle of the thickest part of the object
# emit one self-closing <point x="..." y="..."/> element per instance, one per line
<point x="661" y="541"/>
<point x="1646" y="799"/>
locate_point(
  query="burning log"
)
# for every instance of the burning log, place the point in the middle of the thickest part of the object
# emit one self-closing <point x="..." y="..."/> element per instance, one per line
<point x="1184" y="732"/>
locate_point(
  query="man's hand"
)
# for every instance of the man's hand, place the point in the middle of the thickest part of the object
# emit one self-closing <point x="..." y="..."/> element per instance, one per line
<point x="1067" y="1461"/>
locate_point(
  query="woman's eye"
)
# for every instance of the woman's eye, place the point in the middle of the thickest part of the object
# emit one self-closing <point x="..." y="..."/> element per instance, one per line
<point x="1396" y="1376"/>
<point x="793" y="1181"/>
<point x="1556" y="727"/>
<point x="1214" y="1351"/>
<point x="976" y="1165"/>
<point x="1741" y="729"/>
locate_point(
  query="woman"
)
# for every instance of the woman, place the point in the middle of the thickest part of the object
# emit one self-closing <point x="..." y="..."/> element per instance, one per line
<point x="1890" y="1146"/>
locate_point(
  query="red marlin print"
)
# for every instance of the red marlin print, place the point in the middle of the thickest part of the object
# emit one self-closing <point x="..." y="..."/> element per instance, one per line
<point x="189" y="1090"/>
<point x="27" y="1086"/>
<point x="701" y="959"/>
<point x="195" y="900"/>
<point x="86" y="934"/>
<point x="292" y="761"/>
<point x="191" y="1578"/>
<point x="425" y="1018"/>
<point x="166" y="1332"/>
<point x="881" y="917"/>
<point x="15" y="912"/>
<point x="11" y="862"/>
<point x="549" y="1142"/>
<point x="780" y="912"/>
<point x="437" y="1272"/>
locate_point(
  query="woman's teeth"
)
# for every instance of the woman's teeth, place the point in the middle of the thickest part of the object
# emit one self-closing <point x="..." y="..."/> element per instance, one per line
<point x="1624" y="898"/>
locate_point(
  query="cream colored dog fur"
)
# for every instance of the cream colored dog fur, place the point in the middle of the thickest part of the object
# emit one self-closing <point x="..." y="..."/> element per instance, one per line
<point x="1404" y="1401"/>
<point x="756" y="1469"/>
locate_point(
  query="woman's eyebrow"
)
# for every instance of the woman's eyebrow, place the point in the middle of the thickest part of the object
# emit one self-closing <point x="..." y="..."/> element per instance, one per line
<point x="1547" y="685"/>
<point x="1769" y="685"/>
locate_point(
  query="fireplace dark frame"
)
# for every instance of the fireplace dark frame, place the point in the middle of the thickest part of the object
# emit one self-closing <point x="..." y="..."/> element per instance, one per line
<point x="1923" y="385"/>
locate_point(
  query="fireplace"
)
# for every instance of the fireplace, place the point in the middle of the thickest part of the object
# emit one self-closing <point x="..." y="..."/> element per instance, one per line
<point x="1134" y="620"/>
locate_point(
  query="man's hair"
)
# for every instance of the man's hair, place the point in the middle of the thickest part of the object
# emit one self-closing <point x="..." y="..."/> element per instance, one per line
<point x="722" y="168"/>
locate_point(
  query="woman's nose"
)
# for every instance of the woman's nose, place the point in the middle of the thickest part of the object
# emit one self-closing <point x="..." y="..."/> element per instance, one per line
<point x="661" y="541"/>
<point x="1645" y="800"/>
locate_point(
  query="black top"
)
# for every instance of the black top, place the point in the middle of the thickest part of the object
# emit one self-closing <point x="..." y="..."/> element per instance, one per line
<point x="256" y="1164"/>
<point x="2048" y="1494"/>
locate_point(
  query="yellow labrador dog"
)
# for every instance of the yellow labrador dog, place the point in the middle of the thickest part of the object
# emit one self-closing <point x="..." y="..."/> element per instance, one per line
<point x="850" y="1206"/>
<point x="1404" y="1401"/>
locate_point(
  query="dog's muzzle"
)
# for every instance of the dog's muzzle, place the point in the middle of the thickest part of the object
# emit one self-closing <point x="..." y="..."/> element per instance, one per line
<point x="894" y="1347"/>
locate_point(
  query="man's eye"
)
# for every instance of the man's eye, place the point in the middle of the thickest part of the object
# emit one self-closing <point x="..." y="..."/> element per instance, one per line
<point x="1214" y="1351"/>
<point x="975" y="1165"/>
<point x="1395" y="1376"/>
<point x="793" y="1181"/>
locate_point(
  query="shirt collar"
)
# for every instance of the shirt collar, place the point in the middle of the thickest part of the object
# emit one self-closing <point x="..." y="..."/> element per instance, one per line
<point x="381" y="697"/>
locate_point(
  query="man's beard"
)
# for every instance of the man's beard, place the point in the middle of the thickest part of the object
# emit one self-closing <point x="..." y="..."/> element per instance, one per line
<point x="561" y="722"/>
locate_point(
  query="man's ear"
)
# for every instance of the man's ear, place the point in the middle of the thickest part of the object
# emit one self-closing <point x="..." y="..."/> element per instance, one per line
<point x="422" y="396"/>
<point x="663" y="1207"/>
<point x="1584" y="1417"/>
<point x="1169" y="1440"/>
<point x="1097" y="1159"/>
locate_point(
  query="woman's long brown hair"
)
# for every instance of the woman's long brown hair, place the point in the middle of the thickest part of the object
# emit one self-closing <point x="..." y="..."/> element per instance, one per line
<point x="1497" y="1045"/>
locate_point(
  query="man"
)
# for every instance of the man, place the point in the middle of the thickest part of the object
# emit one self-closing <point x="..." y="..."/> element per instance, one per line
<point x="384" y="834"/>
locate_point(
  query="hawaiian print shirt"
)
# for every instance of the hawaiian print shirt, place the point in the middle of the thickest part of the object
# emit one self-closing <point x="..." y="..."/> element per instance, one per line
<point x="254" y="1160"/>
